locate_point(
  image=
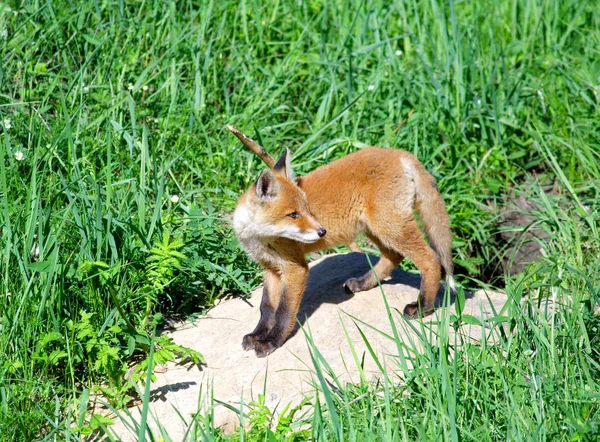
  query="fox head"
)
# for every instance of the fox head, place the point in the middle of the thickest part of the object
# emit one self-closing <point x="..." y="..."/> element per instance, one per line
<point x="276" y="207"/>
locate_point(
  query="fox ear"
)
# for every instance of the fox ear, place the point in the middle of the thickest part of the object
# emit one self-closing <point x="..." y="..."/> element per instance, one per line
<point x="284" y="165"/>
<point x="266" y="186"/>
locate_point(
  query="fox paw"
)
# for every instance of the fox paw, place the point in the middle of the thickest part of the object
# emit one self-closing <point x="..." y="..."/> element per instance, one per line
<point x="250" y="340"/>
<point x="261" y="344"/>
<point x="265" y="348"/>
<point x="354" y="285"/>
<point x="414" y="310"/>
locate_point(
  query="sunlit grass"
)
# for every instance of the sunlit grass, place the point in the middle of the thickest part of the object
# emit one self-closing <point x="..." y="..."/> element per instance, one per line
<point x="117" y="177"/>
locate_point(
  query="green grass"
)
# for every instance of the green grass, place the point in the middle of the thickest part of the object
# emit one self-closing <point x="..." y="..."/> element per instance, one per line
<point x="113" y="108"/>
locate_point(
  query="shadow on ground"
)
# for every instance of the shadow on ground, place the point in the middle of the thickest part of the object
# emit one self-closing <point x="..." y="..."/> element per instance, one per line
<point x="326" y="282"/>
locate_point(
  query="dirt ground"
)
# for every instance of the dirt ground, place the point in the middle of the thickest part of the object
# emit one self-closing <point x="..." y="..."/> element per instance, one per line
<point x="236" y="377"/>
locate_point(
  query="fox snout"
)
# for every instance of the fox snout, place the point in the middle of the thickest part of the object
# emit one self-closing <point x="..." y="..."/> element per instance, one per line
<point x="311" y="230"/>
<point x="304" y="235"/>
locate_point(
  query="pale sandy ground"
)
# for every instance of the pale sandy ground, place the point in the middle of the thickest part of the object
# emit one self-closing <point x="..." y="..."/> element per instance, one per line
<point x="231" y="374"/>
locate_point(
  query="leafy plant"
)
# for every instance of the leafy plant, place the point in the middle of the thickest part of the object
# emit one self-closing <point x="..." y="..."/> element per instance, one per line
<point x="163" y="261"/>
<point x="263" y="425"/>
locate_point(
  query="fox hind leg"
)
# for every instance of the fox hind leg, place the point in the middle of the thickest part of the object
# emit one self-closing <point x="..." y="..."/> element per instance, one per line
<point x="428" y="263"/>
<point x="406" y="239"/>
<point x="390" y="259"/>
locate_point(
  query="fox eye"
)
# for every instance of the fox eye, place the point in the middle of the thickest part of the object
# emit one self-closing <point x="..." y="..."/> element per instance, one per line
<point x="294" y="215"/>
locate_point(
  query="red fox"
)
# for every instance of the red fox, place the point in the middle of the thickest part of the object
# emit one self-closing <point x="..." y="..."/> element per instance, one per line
<point x="374" y="191"/>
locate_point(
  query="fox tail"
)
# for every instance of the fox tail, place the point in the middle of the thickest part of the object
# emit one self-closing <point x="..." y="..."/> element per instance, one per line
<point x="431" y="207"/>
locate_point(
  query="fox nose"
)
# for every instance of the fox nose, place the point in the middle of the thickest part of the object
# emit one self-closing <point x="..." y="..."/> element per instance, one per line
<point x="321" y="232"/>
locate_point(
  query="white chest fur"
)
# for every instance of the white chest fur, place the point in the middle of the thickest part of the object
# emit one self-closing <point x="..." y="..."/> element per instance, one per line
<point x="252" y="237"/>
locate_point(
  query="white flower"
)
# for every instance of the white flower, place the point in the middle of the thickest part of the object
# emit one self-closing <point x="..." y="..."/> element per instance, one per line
<point x="399" y="53"/>
<point x="7" y="124"/>
<point x="145" y="87"/>
<point x="541" y="95"/>
<point x="371" y="88"/>
<point x="130" y="87"/>
<point x="86" y="89"/>
<point x="174" y="199"/>
<point x="35" y="251"/>
<point x="19" y="155"/>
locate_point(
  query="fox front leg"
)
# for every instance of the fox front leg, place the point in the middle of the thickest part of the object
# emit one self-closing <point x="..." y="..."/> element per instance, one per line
<point x="268" y="306"/>
<point x="295" y="277"/>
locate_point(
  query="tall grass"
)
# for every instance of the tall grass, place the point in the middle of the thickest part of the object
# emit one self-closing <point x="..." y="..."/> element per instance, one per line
<point x="116" y="178"/>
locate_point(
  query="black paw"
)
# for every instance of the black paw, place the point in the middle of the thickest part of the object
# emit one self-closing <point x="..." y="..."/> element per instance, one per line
<point x="415" y="310"/>
<point x="250" y="341"/>
<point x="353" y="285"/>
<point x="265" y="347"/>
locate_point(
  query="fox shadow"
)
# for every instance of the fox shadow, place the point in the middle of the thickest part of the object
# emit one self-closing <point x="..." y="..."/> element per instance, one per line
<point x="326" y="282"/>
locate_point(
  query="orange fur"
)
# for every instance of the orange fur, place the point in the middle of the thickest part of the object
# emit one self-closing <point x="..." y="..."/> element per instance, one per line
<point x="373" y="191"/>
